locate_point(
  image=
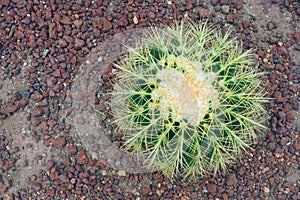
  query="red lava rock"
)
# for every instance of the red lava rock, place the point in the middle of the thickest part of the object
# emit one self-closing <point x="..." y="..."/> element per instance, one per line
<point x="284" y="140"/>
<point x="146" y="191"/>
<point x="11" y="108"/>
<point x="52" y="30"/>
<point x="296" y="36"/>
<point x="61" y="142"/>
<point x="3" y="188"/>
<point x="78" y="43"/>
<point x="282" y="51"/>
<point x="122" y="22"/>
<point x="246" y="23"/>
<point x="62" y="43"/>
<point x="23" y="102"/>
<point x="57" y="73"/>
<point x="3" y="115"/>
<point x="106" y="25"/>
<point x="278" y="96"/>
<point x="238" y="5"/>
<point x="82" y="159"/>
<point x="212" y="188"/>
<point x="78" y="23"/>
<point x="231" y="180"/>
<point x="51" y="81"/>
<point x="65" y="20"/>
<point x="14" y="58"/>
<point x="151" y="15"/>
<point x="241" y="170"/>
<point x="32" y="42"/>
<point x="61" y="58"/>
<point x="296" y="145"/>
<point x="224" y="2"/>
<point x="37" y="112"/>
<point x="214" y="2"/>
<point x="72" y="150"/>
<point x="203" y="12"/>
<point x="290" y="117"/>
<point x="271" y="146"/>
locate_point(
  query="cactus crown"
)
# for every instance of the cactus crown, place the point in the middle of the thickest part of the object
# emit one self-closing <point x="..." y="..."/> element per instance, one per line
<point x="188" y="99"/>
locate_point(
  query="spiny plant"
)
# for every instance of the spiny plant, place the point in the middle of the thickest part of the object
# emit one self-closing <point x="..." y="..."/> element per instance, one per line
<point x="188" y="99"/>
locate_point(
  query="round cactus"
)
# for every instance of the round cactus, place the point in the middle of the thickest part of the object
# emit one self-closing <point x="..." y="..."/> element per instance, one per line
<point x="188" y="99"/>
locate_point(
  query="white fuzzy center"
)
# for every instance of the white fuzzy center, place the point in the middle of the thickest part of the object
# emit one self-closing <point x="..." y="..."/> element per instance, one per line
<point x="185" y="95"/>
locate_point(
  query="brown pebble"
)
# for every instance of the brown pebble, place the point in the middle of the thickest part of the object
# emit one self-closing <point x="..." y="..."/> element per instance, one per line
<point x="11" y="108"/>
<point x="212" y="188"/>
<point x="284" y="140"/>
<point x="52" y="30"/>
<point x="37" y="112"/>
<point x="271" y="146"/>
<point x="278" y="96"/>
<point x="78" y="44"/>
<point x="238" y="5"/>
<point x="203" y="12"/>
<point x="106" y="25"/>
<point x="72" y="150"/>
<point x="66" y="20"/>
<point x="3" y="115"/>
<point x="151" y="15"/>
<point x="51" y="81"/>
<point x="231" y="180"/>
<point x="62" y="43"/>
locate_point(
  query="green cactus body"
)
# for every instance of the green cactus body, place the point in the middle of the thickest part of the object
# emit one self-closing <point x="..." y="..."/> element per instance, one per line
<point x="188" y="100"/>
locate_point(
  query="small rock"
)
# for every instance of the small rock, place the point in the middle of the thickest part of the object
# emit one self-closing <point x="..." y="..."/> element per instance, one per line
<point x="66" y="20"/>
<point x="212" y="188"/>
<point x="106" y="25"/>
<point x="223" y="2"/>
<point x="225" y="9"/>
<point x="271" y="146"/>
<point x="276" y="60"/>
<point x="246" y="23"/>
<point x="296" y="145"/>
<point x="3" y="115"/>
<point x="241" y="170"/>
<point x="121" y="173"/>
<point x="278" y="96"/>
<point x="122" y="22"/>
<point x="203" y="12"/>
<point x="61" y="58"/>
<point x="37" y="112"/>
<point x="213" y="2"/>
<point x="284" y="140"/>
<point x="290" y="117"/>
<point x="57" y="73"/>
<point x="151" y="15"/>
<point x="77" y="23"/>
<point x="51" y="81"/>
<point x="32" y="41"/>
<point x="52" y="30"/>
<point x="231" y="180"/>
<point x="11" y="108"/>
<point x="78" y="43"/>
<point x="238" y="5"/>
<point x="266" y="189"/>
<point x="62" y="43"/>
<point x="72" y="150"/>
<point x="135" y="20"/>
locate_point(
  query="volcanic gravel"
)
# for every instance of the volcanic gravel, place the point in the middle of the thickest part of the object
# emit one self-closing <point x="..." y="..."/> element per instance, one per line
<point x="44" y="45"/>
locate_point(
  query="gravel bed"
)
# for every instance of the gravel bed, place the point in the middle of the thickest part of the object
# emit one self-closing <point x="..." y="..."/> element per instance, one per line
<point x="50" y="49"/>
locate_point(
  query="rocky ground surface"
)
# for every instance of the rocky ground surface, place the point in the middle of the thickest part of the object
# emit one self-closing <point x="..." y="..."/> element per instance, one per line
<point x="44" y="46"/>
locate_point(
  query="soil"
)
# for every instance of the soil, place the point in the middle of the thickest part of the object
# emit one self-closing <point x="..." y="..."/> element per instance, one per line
<point x="53" y="58"/>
